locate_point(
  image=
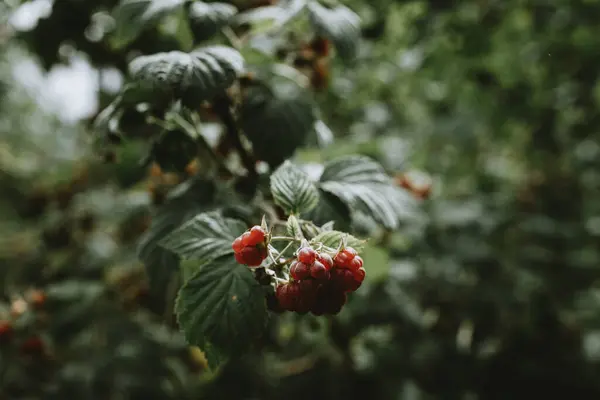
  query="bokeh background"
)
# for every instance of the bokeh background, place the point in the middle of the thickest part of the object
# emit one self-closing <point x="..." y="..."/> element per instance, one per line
<point x="489" y="290"/>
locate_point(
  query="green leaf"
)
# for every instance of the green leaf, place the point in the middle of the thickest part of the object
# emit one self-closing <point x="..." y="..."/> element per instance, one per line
<point x="205" y="237"/>
<point x="340" y="24"/>
<point x="133" y="16"/>
<point x="376" y="262"/>
<point x="206" y="19"/>
<point x="268" y="18"/>
<point x="221" y="307"/>
<point x="194" y="76"/>
<point x="293" y="190"/>
<point x="276" y="123"/>
<point x="161" y="264"/>
<point x="334" y="239"/>
<point x="363" y="185"/>
<point x="293" y="227"/>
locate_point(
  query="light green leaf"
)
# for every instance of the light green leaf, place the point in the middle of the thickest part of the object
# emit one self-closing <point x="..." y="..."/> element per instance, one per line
<point x="221" y="307"/>
<point x="334" y="239"/>
<point x="376" y="262"/>
<point x="293" y="190"/>
<point x="363" y="185"/>
<point x="198" y="75"/>
<point x="340" y="24"/>
<point x="205" y="237"/>
<point x="206" y="19"/>
<point x="133" y="16"/>
<point x="293" y="227"/>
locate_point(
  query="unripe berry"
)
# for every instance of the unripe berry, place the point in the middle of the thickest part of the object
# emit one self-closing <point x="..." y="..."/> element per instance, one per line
<point x="319" y="272"/>
<point x="255" y="236"/>
<point x="307" y="255"/>
<point x="299" y="270"/>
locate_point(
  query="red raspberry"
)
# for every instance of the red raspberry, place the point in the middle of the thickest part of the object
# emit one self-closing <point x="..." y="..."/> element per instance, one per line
<point x="307" y="296"/>
<point x="355" y="263"/>
<point x="330" y="300"/>
<point x="246" y="239"/>
<point x="341" y="259"/>
<point x="326" y="260"/>
<point x="252" y="256"/>
<point x="255" y="236"/>
<point x="239" y="257"/>
<point x="319" y="272"/>
<point x="351" y="252"/>
<point x="237" y="245"/>
<point x="299" y="270"/>
<point x="307" y="255"/>
<point x="359" y="276"/>
<point x="343" y="279"/>
<point x="6" y="330"/>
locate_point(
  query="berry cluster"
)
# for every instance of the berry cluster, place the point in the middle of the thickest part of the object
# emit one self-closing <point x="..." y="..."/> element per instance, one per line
<point x="250" y="248"/>
<point x="320" y="284"/>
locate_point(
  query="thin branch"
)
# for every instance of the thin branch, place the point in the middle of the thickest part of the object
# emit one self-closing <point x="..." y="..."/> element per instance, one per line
<point x="222" y="107"/>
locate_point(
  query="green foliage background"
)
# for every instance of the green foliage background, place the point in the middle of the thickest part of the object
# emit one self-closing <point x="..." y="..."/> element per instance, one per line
<point x="488" y="289"/>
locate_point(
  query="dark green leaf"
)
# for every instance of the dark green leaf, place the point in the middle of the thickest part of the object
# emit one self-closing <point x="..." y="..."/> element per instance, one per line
<point x="276" y="124"/>
<point x="205" y="237"/>
<point x="340" y="24"/>
<point x="161" y="264"/>
<point x="222" y="306"/>
<point x="206" y="19"/>
<point x="133" y="16"/>
<point x="293" y="190"/>
<point x="198" y="75"/>
<point x="363" y="185"/>
<point x="334" y="239"/>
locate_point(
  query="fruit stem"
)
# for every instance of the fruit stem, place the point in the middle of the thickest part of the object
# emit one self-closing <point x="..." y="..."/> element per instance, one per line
<point x="282" y="238"/>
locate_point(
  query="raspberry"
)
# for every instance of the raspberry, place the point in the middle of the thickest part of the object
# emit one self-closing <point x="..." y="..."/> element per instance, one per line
<point x="299" y="270"/>
<point x="341" y="259"/>
<point x="355" y="263"/>
<point x="359" y="276"/>
<point x="330" y="300"/>
<point x="326" y="260"/>
<point x="237" y="245"/>
<point x="343" y="279"/>
<point x="288" y="295"/>
<point x="6" y="330"/>
<point x="239" y="257"/>
<point x="253" y="256"/>
<point x="255" y="236"/>
<point x="319" y="272"/>
<point x="351" y="252"/>
<point x="307" y="255"/>
<point x="246" y="239"/>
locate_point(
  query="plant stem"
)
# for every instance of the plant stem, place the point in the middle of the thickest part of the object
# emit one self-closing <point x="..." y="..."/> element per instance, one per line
<point x="283" y="238"/>
<point x="222" y="106"/>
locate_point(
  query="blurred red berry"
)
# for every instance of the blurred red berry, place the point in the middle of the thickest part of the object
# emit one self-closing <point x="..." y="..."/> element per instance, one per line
<point x="246" y="239"/>
<point x="237" y="245"/>
<point x="6" y="330"/>
<point x="299" y="270"/>
<point x="326" y="260"/>
<point x="255" y="236"/>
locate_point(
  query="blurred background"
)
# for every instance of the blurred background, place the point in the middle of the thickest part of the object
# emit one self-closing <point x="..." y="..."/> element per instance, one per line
<point x="487" y="110"/>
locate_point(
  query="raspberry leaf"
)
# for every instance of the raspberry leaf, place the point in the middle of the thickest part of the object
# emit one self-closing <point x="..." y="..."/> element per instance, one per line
<point x="194" y="77"/>
<point x="221" y="308"/>
<point x="133" y="16"/>
<point x="276" y="123"/>
<point x="206" y="19"/>
<point x="293" y="227"/>
<point x="293" y="190"/>
<point x="203" y="238"/>
<point x="340" y="24"/>
<point x="333" y="239"/>
<point x="362" y="184"/>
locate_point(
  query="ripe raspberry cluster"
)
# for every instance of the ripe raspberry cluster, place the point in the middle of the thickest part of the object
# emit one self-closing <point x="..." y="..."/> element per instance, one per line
<point x="250" y="248"/>
<point x="320" y="284"/>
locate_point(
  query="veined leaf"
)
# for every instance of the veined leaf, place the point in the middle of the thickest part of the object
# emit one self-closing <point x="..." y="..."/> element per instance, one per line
<point x="334" y="239"/>
<point x="133" y="16"/>
<point x="206" y="19"/>
<point x="276" y="124"/>
<point x="293" y="190"/>
<point x="221" y="307"/>
<point x="293" y="228"/>
<point x="363" y="185"/>
<point x="340" y="24"/>
<point x="205" y="237"/>
<point x="198" y="75"/>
